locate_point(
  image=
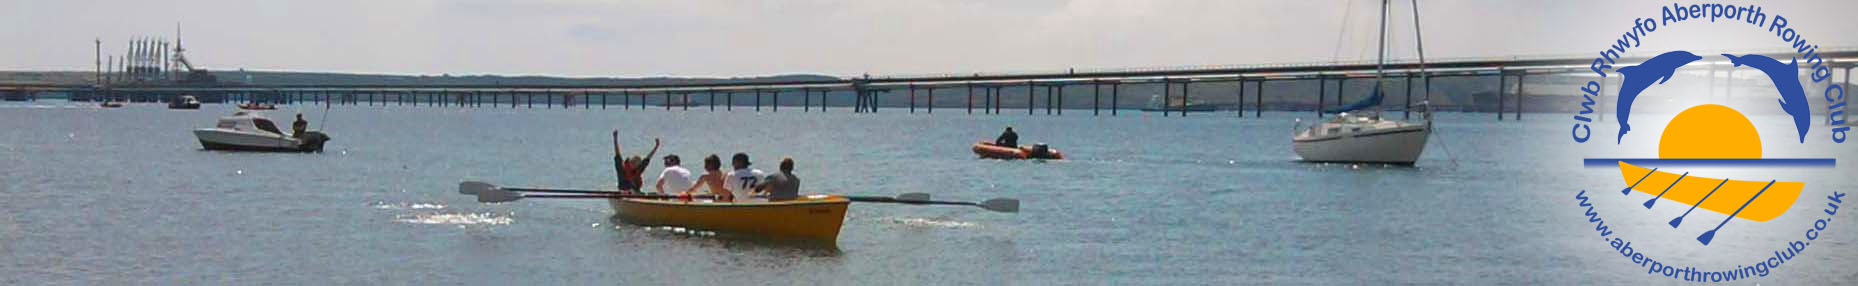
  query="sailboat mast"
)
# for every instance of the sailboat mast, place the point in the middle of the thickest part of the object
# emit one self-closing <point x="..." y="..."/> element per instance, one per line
<point x="1380" y="64"/>
<point x="1420" y="43"/>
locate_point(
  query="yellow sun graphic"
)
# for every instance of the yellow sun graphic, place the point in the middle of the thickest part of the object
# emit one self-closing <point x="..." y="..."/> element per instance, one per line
<point x="1710" y="132"/>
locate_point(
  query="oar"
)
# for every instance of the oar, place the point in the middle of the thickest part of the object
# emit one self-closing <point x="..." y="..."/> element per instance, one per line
<point x="999" y="205"/>
<point x="488" y="193"/>
<point x="1628" y="189"/>
<point x="1710" y="235"/>
<point x="1648" y="204"/>
<point x="474" y="187"/>
<point x="1706" y="197"/>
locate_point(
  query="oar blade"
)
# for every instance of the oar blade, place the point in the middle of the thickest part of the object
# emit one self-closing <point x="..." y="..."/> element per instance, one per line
<point x="913" y="197"/>
<point x="474" y="187"/>
<point x="494" y="195"/>
<point x="1001" y="205"/>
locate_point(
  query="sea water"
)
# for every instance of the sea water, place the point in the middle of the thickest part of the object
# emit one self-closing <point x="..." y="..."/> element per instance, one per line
<point x="127" y="196"/>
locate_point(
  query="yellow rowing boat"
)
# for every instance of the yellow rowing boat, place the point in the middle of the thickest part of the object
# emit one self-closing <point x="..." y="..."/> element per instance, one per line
<point x="1731" y="196"/>
<point x="811" y="218"/>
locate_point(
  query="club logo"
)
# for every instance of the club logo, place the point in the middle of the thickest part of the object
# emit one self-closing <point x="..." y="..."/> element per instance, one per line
<point x="1711" y="138"/>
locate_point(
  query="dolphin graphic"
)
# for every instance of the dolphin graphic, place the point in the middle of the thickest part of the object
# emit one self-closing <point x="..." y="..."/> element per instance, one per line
<point x="1786" y="79"/>
<point x="1657" y="70"/>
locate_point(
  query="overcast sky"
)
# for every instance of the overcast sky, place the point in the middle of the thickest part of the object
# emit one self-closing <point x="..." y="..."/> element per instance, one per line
<point x="845" y="37"/>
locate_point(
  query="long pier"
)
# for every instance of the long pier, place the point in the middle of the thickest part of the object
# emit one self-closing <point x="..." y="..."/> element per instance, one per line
<point x="1043" y="91"/>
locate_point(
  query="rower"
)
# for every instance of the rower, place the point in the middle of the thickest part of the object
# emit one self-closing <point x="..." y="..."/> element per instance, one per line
<point x="712" y="177"/>
<point x="631" y="170"/>
<point x="742" y="181"/>
<point x="1008" y="138"/>
<point x="782" y="186"/>
<point x="297" y="127"/>
<point x="676" y="177"/>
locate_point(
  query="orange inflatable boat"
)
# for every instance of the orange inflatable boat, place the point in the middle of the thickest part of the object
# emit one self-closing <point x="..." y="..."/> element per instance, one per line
<point x="991" y="151"/>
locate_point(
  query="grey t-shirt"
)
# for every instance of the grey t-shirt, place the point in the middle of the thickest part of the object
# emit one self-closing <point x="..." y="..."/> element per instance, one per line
<point x="783" y="186"/>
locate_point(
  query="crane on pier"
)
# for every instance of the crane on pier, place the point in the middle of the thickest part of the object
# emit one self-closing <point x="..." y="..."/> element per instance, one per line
<point x="192" y="75"/>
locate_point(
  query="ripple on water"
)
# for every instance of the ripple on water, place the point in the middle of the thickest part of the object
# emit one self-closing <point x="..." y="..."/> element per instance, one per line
<point x="407" y="206"/>
<point x="456" y="218"/>
<point x="931" y="222"/>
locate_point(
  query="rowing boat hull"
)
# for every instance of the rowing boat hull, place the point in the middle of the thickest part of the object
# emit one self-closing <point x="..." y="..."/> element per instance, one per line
<point x="811" y="218"/>
<point x="1733" y="195"/>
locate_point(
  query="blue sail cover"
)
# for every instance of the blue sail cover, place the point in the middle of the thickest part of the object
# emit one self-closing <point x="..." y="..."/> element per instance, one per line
<point x="1373" y="100"/>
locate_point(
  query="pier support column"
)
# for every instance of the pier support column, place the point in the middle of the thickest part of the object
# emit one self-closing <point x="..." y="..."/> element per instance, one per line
<point x="1521" y="88"/>
<point x="730" y="97"/>
<point x="987" y="99"/>
<point x="1185" y="96"/>
<point x="931" y="102"/>
<point x="686" y="102"/>
<point x="999" y="92"/>
<point x="1167" y="93"/>
<point x="757" y="100"/>
<point x="776" y="98"/>
<point x="1096" y="98"/>
<point x="1029" y="97"/>
<point x="912" y="88"/>
<point x="1048" y="100"/>
<point x="1322" y="94"/>
<point x="1503" y="88"/>
<point x="1258" y="100"/>
<point x="970" y="98"/>
<point x="1241" y="100"/>
<point x="806" y="100"/>
<point x="712" y="101"/>
<point x="1115" y="106"/>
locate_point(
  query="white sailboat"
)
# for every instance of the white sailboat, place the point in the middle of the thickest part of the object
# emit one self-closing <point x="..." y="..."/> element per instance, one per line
<point x="1358" y="134"/>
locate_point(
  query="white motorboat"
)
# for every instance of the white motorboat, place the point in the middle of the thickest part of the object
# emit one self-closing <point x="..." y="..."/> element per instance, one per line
<point x="1357" y="134"/>
<point x="1359" y="138"/>
<point x="248" y="131"/>
<point x="184" y="102"/>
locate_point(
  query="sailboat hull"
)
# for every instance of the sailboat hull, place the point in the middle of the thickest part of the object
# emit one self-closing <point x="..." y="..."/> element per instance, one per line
<point x="1389" y="146"/>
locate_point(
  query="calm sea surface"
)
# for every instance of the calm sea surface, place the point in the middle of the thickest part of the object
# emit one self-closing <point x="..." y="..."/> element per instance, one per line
<point x="127" y="196"/>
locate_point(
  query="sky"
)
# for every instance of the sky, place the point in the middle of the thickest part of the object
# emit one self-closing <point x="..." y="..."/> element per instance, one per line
<point x="718" y="38"/>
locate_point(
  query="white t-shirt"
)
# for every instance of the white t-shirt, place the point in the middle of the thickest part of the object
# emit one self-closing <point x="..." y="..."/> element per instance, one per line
<point x="741" y="181"/>
<point x="676" y="179"/>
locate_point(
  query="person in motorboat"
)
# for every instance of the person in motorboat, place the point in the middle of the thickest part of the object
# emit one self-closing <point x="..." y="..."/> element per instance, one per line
<point x="631" y="171"/>
<point x="712" y="177"/>
<point x="781" y="186"/>
<point x="1008" y="139"/>
<point x="742" y="180"/>
<point x="297" y="127"/>
<point x="673" y="175"/>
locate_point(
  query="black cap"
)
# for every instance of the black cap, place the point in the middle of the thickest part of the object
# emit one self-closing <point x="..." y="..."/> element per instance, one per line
<point x="740" y="157"/>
